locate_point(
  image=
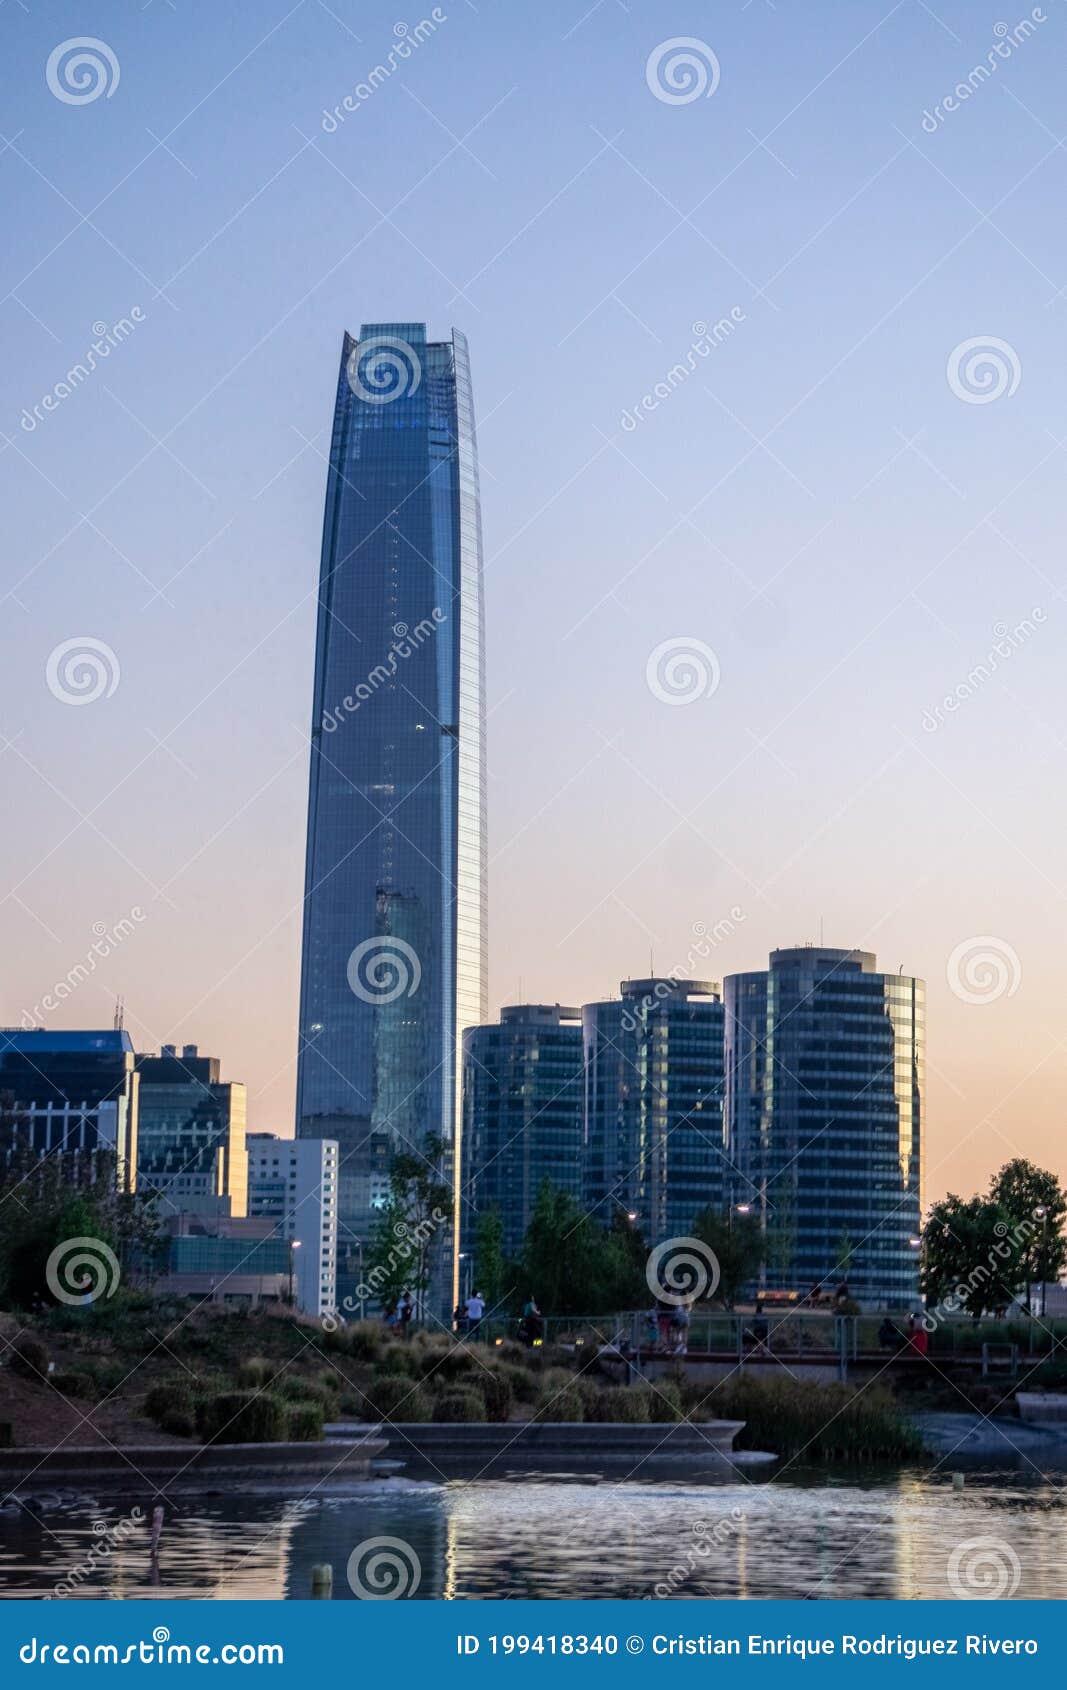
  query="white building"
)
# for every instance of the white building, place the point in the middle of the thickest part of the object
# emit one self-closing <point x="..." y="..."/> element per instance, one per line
<point x="293" y="1182"/>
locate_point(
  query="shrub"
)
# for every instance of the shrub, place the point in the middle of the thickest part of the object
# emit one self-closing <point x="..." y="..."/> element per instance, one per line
<point x="450" y="1365"/>
<point x="664" y="1402"/>
<point x="303" y="1423"/>
<point x="559" y="1404"/>
<point x="365" y="1340"/>
<point x="398" y="1361"/>
<point x="76" y="1385"/>
<point x="496" y="1389"/>
<point x="170" y="1395"/>
<point x="178" y="1424"/>
<point x="626" y="1404"/>
<point x="589" y="1392"/>
<point x="824" y="1421"/>
<point x="29" y="1357"/>
<point x="525" y="1386"/>
<point x="242" y="1417"/>
<point x="458" y="1404"/>
<point x="254" y="1371"/>
<point x="395" y="1399"/>
<point x="294" y="1389"/>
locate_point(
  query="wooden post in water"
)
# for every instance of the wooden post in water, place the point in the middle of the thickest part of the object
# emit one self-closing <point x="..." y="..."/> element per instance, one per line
<point x="321" y="1581"/>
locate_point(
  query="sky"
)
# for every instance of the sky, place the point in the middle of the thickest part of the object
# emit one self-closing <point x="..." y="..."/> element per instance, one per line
<point x="725" y="606"/>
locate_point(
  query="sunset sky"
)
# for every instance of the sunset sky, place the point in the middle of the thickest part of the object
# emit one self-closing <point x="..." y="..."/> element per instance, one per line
<point x="851" y="499"/>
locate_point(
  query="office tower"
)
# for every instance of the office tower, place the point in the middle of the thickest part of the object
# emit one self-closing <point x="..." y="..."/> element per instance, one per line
<point x="70" y="1093"/>
<point x="191" y="1136"/>
<point x="824" y="1104"/>
<point x="653" y="1128"/>
<point x="522" y="1115"/>
<point x="293" y="1183"/>
<point x="394" y="943"/>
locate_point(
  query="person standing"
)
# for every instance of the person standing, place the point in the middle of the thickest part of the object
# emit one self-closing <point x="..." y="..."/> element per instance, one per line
<point x="406" y="1311"/>
<point x="475" y="1311"/>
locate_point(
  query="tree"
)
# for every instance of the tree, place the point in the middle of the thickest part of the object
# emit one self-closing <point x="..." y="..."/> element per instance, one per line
<point x="54" y="1200"/>
<point x="736" y="1241"/>
<point x="413" y="1224"/>
<point x="972" y="1256"/>
<point x="1035" y="1204"/>
<point x="491" y="1276"/>
<point x="572" y="1265"/>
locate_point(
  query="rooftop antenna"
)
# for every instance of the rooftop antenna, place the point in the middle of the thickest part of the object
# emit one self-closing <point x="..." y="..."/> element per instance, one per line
<point x="120" y="1014"/>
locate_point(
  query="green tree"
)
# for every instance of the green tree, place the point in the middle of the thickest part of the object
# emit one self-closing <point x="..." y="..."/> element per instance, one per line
<point x="573" y="1265"/>
<point x="491" y="1276"/>
<point x="1034" y="1202"/>
<point x="972" y="1258"/>
<point x="413" y="1226"/>
<point x="736" y="1241"/>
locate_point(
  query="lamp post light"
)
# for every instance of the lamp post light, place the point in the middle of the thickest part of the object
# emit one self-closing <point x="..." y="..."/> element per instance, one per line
<point x="294" y="1244"/>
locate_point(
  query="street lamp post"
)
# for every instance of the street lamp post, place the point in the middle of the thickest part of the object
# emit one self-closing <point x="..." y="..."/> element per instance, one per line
<point x="1041" y="1214"/>
<point x="294" y="1244"/>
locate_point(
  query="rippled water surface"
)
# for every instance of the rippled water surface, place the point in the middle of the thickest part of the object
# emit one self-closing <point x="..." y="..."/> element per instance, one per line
<point x="869" y="1536"/>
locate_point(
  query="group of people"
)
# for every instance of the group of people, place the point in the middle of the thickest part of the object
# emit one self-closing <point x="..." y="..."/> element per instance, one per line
<point x="467" y="1319"/>
<point x="397" y="1317"/>
<point x="915" y="1337"/>
<point x="667" y="1327"/>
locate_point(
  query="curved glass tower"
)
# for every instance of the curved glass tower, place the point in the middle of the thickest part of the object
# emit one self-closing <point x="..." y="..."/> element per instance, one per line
<point x="394" y="944"/>
<point x="825" y="1080"/>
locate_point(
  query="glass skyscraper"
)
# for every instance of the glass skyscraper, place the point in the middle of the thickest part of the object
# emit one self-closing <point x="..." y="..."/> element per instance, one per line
<point x="653" y="1117"/>
<point x="394" y="943"/>
<point x="522" y="1115"/>
<point x="825" y="1083"/>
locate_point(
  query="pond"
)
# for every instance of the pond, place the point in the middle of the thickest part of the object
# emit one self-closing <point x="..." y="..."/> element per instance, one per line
<point x="861" y="1535"/>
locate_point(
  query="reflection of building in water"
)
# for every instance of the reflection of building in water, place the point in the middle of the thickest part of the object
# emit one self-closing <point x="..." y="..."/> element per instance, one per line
<point x="203" y="1554"/>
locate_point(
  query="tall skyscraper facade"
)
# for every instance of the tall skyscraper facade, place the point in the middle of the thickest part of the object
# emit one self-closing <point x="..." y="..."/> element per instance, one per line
<point x="394" y="942"/>
<point x="522" y="1115"/>
<point x="825" y="1080"/>
<point x="191" y="1135"/>
<point x="653" y="1111"/>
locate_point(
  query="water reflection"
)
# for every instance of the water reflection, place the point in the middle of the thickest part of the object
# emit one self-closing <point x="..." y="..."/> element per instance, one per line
<point x="865" y="1537"/>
